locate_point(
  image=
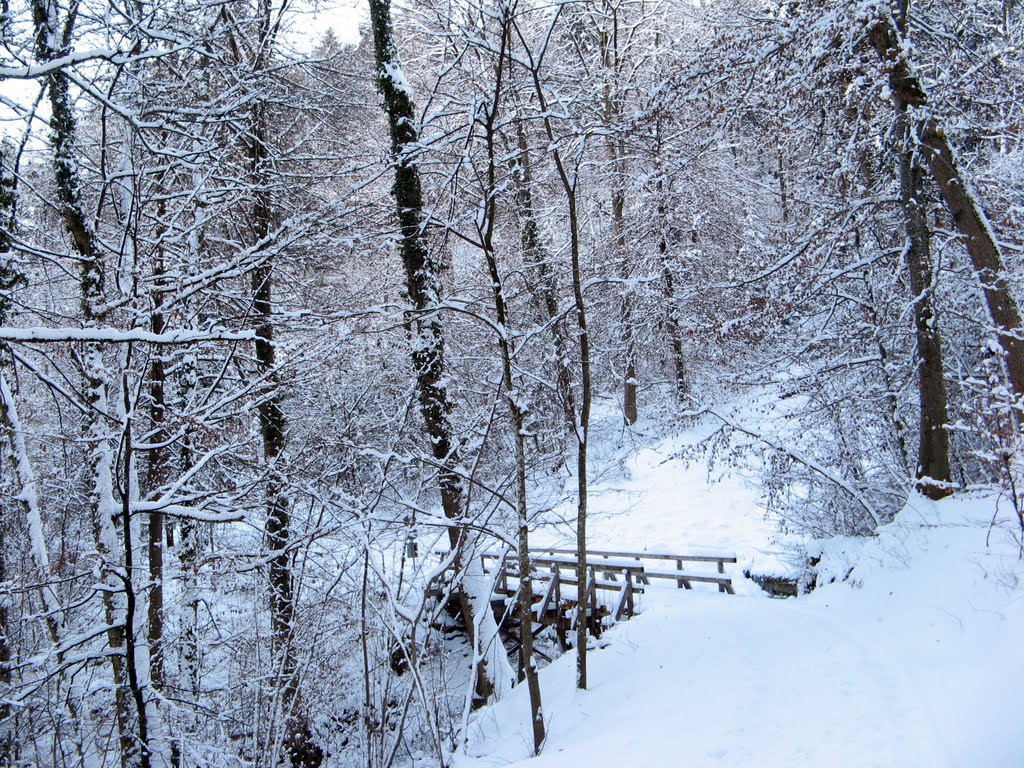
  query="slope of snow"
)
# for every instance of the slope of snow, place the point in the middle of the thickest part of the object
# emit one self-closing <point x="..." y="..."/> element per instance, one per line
<point x="911" y="658"/>
<point x="652" y="490"/>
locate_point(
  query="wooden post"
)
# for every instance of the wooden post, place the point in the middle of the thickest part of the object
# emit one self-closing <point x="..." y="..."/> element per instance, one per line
<point x="629" y="593"/>
<point x="592" y="600"/>
<point x="679" y="567"/>
<point x="556" y="578"/>
<point x="721" y="569"/>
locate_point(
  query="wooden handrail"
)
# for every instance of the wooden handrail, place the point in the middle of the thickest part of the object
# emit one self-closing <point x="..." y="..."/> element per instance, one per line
<point x="643" y="555"/>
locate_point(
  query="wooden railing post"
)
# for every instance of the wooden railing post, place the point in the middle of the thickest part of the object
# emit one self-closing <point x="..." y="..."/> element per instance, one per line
<point x="592" y="600"/>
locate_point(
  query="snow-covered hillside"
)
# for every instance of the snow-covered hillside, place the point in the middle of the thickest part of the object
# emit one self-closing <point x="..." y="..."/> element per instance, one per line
<point x="912" y="658"/>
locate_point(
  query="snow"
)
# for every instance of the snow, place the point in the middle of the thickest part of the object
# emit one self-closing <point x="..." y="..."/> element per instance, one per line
<point x="393" y="71"/>
<point x="910" y="658"/>
<point x="652" y="490"/>
<point x="115" y="335"/>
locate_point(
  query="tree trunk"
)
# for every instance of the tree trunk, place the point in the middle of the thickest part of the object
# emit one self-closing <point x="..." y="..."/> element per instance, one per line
<point x="421" y="285"/>
<point x="908" y="95"/>
<point x="536" y="255"/>
<point x="514" y="401"/>
<point x="616" y="163"/>
<point x="581" y="427"/>
<point x="675" y="335"/>
<point x="298" y="741"/>
<point x="50" y="45"/>
<point x="672" y="324"/>
<point x="932" y="472"/>
<point x="157" y="474"/>
<point x="8" y="740"/>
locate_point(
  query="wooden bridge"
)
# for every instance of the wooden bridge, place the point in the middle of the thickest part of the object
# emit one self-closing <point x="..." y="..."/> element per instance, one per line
<point x="614" y="579"/>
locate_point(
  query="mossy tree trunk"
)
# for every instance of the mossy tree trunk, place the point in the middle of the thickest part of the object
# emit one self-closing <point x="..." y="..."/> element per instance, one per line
<point x="422" y="290"/>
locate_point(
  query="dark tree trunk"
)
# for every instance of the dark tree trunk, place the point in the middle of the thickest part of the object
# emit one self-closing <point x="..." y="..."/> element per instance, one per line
<point x="933" y="444"/>
<point x="421" y="286"/>
<point x="8" y="743"/>
<point x="536" y="255"/>
<point x="156" y="475"/>
<point x="908" y="94"/>
<point x="299" y="744"/>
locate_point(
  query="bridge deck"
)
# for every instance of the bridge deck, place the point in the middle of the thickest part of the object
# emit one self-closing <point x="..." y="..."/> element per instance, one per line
<point x="613" y="578"/>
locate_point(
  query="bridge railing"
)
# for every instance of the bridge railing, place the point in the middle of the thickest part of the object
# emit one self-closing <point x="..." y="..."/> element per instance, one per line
<point x="613" y="563"/>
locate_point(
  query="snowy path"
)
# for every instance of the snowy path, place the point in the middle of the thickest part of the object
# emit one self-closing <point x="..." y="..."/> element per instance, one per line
<point x="915" y="662"/>
<point x="846" y="677"/>
<point x="654" y="499"/>
<point x="706" y="681"/>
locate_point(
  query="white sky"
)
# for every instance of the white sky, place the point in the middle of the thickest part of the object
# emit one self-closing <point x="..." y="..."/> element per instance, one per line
<point x="344" y="16"/>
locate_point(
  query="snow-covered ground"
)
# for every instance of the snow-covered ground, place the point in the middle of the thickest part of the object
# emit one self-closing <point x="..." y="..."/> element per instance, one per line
<point x="913" y="660"/>
<point x="652" y="490"/>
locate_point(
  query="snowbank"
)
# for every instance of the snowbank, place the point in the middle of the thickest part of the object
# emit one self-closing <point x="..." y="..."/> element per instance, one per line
<point x="912" y="658"/>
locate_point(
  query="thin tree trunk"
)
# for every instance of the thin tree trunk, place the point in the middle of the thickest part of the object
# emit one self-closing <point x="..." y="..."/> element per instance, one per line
<point x="675" y="336"/>
<point x="135" y="683"/>
<point x="8" y="738"/>
<point x="581" y="427"/>
<point x="515" y="403"/>
<point x="157" y="474"/>
<point x="421" y="285"/>
<point x="298" y="738"/>
<point x="189" y="546"/>
<point x="616" y="163"/>
<point x="535" y="254"/>
<point x="50" y="44"/>
<point x="518" y="416"/>
<point x="672" y="325"/>
<point x="908" y="95"/>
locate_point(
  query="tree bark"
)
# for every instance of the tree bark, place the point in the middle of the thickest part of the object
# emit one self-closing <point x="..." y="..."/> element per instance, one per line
<point x="616" y="162"/>
<point x="8" y="741"/>
<point x="156" y="475"/>
<point x="908" y="95"/>
<point x="514" y="400"/>
<point x="933" y="470"/>
<point x="298" y="741"/>
<point x="675" y="335"/>
<point x="52" y="41"/>
<point x="536" y="255"/>
<point x="422" y="290"/>
<point x="582" y="426"/>
<point x="672" y="323"/>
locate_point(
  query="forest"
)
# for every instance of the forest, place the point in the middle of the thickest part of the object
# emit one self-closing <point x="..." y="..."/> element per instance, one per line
<point x="292" y="329"/>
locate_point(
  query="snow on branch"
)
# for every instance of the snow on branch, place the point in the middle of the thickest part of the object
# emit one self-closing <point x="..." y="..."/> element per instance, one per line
<point x="808" y="462"/>
<point x="186" y="512"/>
<point x="118" y="336"/>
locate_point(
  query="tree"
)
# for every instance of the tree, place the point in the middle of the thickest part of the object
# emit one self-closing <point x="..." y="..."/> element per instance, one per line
<point x="423" y="323"/>
<point x="909" y="96"/>
<point x="568" y="176"/>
